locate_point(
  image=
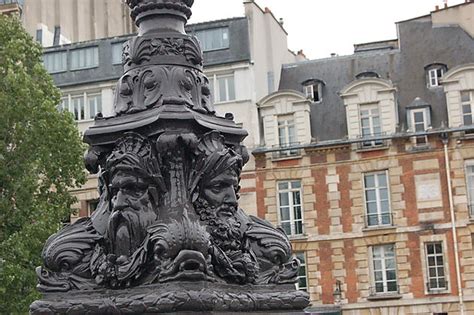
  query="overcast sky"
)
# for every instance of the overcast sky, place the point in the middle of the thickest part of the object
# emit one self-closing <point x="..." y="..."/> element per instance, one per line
<point x="322" y="27"/>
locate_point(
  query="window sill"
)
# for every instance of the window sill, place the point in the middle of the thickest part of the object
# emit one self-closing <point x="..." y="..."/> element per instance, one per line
<point x="288" y="157"/>
<point x="297" y="237"/>
<point x="86" y="68"/>
<point x="379" y="228"/>
<point x="437" y="292"/>
<point x="385" y="296"/>
<point x="374" y="148"/>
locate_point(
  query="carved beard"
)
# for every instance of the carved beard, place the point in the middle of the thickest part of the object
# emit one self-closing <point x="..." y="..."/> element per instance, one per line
<point x="127" y="229"/>
<point x="222" y="224"/>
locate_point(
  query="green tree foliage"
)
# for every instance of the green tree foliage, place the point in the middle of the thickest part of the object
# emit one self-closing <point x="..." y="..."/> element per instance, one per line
<point x="40" y="159"/>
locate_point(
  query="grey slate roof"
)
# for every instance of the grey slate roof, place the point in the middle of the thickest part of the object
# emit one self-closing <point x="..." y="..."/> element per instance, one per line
<point x="419" y="45"/>
<point x="239" y="50"/>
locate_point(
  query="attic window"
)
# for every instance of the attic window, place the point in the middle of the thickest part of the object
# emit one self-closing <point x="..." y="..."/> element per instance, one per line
<point x="367" y="74"/>
<point x="434" y="72"/>
<point x="313" y="90"/>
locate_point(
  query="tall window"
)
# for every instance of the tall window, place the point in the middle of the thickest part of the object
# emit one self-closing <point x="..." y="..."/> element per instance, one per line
<point x="213" y="39"/>
<point x="377" y="202"/>
<point x="222" y="87"/>
<point x="94" y="105"/>
<point x="286" y="131"/>
<point x="55" y="62"/>
<point x="470" y="185"/>
<point x="467" y="102"/>
<point x="302" y="282"/>
<point x="418" y="123"/>
<point x="370" y="124"/>
<point x="436" y="272"/>
<point x="384" y="269"/>
<point x="117" y="53"/>
<point x="84" y="106"/>
<point x="290" y="207"/>
<point x="84" y="58"/>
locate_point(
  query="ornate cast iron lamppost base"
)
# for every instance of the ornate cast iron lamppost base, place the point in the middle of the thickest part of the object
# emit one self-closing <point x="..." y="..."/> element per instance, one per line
<point x="168" y="234"/>
<point x="175" y="297"/>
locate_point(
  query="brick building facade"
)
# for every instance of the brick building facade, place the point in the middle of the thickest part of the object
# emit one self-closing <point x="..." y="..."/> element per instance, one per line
<point x="367" y="164"/>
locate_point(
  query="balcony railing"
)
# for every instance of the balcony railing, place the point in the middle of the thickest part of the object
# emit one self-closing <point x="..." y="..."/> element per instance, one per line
<point x="437" y="285"/>
<point x="388" y="289"/>
<point x="293" y="229"/>
<point x="379" y="219"/>
<point x="287" y="150"/>
<point x="373" y="141"/>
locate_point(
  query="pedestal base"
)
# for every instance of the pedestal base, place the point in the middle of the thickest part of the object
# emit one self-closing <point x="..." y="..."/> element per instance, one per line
<point x="176" y="297"/>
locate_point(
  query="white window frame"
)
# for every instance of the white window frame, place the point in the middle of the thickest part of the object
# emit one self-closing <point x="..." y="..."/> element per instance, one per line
<point x="214" y="84"/>
<point x="302" y="272"/>
<point x="309" y="91"/>
<point x="419" y="140"/>
<point x="469" y="171"/>
<point x="372" y="126"/>
<point x="66" y="104"/>
<point x="378" y="199"/>
<point x="383" y="269"/>
<point x="434" y="74"/>
<point x="292" y="208"/>
<point x="438" y="279"/>
<point x="470" y="103"/>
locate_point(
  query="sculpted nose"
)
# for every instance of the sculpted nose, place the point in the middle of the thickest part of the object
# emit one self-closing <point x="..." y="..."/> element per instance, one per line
<point x="119" y="202"/>
<point x="230" y="196"/>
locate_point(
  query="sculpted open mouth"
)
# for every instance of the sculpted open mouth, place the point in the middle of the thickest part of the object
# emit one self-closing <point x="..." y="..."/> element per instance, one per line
<point x="120" y="233"/>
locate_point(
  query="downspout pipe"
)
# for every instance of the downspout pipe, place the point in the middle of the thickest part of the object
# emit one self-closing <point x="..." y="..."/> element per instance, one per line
<point x="445" y="140"/>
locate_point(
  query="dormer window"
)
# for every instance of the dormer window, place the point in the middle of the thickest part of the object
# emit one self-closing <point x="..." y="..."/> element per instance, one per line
<point x="313" y="89"/>
<point x="434" y="72"/>
<point x="367" y="74"/>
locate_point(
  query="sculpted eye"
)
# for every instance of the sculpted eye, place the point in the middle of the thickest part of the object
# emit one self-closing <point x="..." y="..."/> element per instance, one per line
<point x="125" y="89"/>
<point x="187" y="84"/>
<point x="149" y="83"/>
<point x="205" y="90"/>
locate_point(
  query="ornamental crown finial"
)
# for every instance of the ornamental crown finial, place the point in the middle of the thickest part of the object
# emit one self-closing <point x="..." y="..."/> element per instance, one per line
<point x="142" y="9"/>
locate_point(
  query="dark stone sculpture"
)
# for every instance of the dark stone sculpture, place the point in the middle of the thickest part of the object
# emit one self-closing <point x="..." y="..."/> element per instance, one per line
<point x="168" y="234"/>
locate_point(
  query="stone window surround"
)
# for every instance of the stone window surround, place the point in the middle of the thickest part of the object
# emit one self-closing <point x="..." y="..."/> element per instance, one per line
<point x="388" y="295"/>
<point x="456" y="80"/>
<point x="370" y="91"/>
<point x="424" y="263"/>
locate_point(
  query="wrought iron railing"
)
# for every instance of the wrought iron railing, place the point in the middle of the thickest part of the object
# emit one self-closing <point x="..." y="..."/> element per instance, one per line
<point x="436" y="285"/>
<point x="386" y="289"/>
<point x="293" y="229"/>
<point x="286" y="150"/>
<point x="379" y="219"/>
<point x="372" y="141"/>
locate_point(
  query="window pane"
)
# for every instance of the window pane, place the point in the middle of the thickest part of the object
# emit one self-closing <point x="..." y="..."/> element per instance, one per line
<point x="84" y="58"/>
<point x="285" y="213"/>
<point x="465" y="96"/>
<point x="369" y="181"/>
<point x="284" y="199"/>
<point x="117" y="53"/>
